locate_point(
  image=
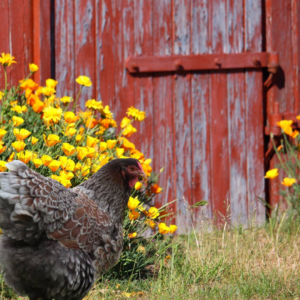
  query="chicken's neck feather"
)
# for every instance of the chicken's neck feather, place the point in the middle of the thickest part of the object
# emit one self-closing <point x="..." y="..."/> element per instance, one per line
<point x="110" y="192"/>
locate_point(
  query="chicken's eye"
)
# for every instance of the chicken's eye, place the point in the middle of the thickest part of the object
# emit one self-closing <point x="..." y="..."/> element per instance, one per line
<point x="131" y="168"/>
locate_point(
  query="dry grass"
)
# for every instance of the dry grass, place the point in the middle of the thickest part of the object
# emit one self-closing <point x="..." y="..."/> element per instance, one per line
<point x="237" y="264"/>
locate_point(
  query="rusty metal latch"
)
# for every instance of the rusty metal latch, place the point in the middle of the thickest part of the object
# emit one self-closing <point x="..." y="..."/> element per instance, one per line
<point x="222" y="61"/>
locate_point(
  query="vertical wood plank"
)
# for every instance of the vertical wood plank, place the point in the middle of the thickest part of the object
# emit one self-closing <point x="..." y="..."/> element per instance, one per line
<point x="236" y="118"/>
<point x="143" y="83"/>
<point x="200" y="82"/>
<point x="85" y="52"/>
<point x="123" y="47"/>
<point x="64" y="48"/>
<point x="28" y="34"/>
<point x="219" y="115"/>
<point x="182" y="115"/>
<point x="163" y="131"/>
<point x="105" y="65"/>
<point x="254" y="114"/>
<point x="4" y="33"/>
<point x="16" y="19"/>
<point x="41" y="34"/>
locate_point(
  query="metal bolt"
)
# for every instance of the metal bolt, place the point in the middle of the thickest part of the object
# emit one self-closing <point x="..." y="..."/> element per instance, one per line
<point x="255" y="61"/>
<point x="217" y="62"/>
<point x="134" y="66"/>
<point x="177" y="65"/>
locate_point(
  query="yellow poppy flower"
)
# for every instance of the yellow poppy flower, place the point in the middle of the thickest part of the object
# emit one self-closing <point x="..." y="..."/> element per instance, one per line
<point x="107" y="123"/>
<point x="3" y="166"/>
<point x="91" y="152"/>
<point x="46" y="159"/>
<point x="119" y="152"/>
<point x="2" y="133"/>
<point x="1" y="95"/>
<point x="84" y="80"/>
<point x="133" y="203"/>
<point x="288" y="181"/>
<point x="11" y="157"/>
<point x="51" y="140"/>
<point x="132" y="235"/>
<point x="136" y="154"/>
<point x="155" y="188"/>
<point x="91" y="141"/>
<point x="91" y="123"/>
<point x="271" y="174"/>
<point x="47" y="91"/>
<point x="107" y="113"/>
<point x="70" y="117"/>
<point x="173" y="228"/>
<point x="111" y="144"/>
<point x="18" y="146"/>
<point x="136" y="114"/>
<point x="68" y="149"/>
<point x="54" y="165"/>
<point x="21" y="134"/>
<point x="6" y="59"/>
<point x="65" y="182"/>
<point x="2" y="148"/>
<point x="66" y="99"/>
<point x="19" y="109"/>
<point x="138" y="185"/>
<point x="125" y="122"/>
<point x="34" y="140"/>
<point x="52" y="115"/>
<point x="51" y="83"/>
<point x="67" y="164"/>
<point x="67" y="175"/>
<point x="70" y="132"/>
<point x="17" y="121"/>
<point x="25" y="156"/>
<point x="126" y="144"/>
<point x="103" y="146"/>
<point x="129" y="130"/>
<point x="153" y="212"/>
<point x="85" y="170"/>
<point x="78" y="138"/>
<point x="33" y="68"/>
<point x="37" y="162"/>
<point x="133" y="215"/>
<point x="81" y="152"/>
<point x="150" y="223"/>
<point x="163" y="228"/>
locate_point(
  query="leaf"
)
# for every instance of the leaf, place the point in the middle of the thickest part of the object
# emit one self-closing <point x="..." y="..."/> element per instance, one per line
<point x="200" y="203"/>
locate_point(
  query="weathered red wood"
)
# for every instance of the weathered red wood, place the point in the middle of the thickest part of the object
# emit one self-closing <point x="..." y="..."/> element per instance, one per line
<point x="218" y="61"/>
<point x="4" y="33"/>
<point x="237" y="134"/>
<point x="105" y="63"/>
<point x="295" y="14"/>
<point x="27" y="34"/>
<point x="282" y="43"/>
<point x="143" y="41"/>
<point x="254" y="115"/>
<point x="85" y="50"/>
<point x="182" y="114"/>
<point x="219" y="116"/>
<point x="41" y="34"/>
<point x="16" y="18"/>
<point x="200" y="113"/>
<point x="123" y="33"/>
<point x="163" y="140"/>
<point x="64" y="48"/>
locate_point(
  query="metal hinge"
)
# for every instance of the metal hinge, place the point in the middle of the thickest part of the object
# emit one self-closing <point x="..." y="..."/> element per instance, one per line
<point x="176" y="63"/>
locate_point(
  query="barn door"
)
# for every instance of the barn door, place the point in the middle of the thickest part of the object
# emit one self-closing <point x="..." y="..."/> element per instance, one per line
<point x="206" y="127"/>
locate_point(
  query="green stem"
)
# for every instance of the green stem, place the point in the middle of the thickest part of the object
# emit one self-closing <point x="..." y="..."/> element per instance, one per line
<point x="75" y="103"/>
<point x="5" y="77"/>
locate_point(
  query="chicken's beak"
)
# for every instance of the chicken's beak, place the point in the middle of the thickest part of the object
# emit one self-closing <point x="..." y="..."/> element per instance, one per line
<point x="142" y="175"/>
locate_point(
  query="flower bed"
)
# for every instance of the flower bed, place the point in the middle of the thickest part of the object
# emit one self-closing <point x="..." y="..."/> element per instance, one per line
<point x="53" y="138"/>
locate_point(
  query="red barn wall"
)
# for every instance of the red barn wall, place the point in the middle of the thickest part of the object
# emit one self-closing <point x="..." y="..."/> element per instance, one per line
<point x="206" y="128"/>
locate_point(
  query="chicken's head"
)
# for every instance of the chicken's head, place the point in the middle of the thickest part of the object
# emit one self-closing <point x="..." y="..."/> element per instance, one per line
<point x="131" y="171"/>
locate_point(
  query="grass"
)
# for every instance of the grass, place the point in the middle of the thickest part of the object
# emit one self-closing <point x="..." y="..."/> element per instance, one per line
<point x="219" y="264"/>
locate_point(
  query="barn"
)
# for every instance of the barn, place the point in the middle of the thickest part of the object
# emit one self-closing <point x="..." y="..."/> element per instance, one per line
<point x="214" y="77"/>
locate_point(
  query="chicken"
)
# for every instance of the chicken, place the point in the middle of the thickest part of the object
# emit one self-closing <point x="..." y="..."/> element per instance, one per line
<point x="57" y="242"/>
